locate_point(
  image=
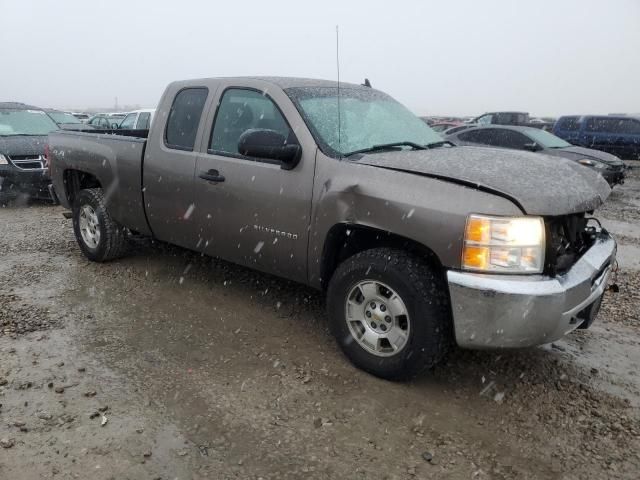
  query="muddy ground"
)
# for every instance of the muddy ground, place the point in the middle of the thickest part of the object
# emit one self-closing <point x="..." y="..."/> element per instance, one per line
<point x="168" y="365"/>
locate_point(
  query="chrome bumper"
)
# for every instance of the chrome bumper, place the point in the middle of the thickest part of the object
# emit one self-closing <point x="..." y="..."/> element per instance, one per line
<point x="509" y="311"/>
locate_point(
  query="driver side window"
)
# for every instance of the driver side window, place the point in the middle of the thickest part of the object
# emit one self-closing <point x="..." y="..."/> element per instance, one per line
<point x="241" y="110"/>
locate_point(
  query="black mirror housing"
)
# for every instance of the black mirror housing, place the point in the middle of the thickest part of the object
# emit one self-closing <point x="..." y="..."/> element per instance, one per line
<point x="269" y="144"/>
<point x="533" y="147"/>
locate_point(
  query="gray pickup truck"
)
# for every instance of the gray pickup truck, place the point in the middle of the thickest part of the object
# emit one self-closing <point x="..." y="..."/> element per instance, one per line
<point x="417" y="243"/>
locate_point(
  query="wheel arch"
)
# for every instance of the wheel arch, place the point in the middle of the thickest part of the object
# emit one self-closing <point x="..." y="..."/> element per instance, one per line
<point x="346" y="239"/>
<point x="76" y="180"/>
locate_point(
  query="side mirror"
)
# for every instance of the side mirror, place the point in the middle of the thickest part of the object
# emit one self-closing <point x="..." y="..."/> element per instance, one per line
<point x="532" y="147"/>
<point x="263" y="143"/>
<point x="114" y="126"/>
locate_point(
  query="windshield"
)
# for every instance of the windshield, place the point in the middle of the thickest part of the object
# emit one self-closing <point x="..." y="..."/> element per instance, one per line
<point x="64" y="118"/>
<point x="546" y="139"/>
<point x="367" y="118"/>
<point x="25" y="122"/>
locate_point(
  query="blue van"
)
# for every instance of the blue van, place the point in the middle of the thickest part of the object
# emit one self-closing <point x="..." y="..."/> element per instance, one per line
<point x="615" y="134"/>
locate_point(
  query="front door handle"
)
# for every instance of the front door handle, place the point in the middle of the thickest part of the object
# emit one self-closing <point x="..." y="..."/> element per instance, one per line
<point x="212" y="176"/>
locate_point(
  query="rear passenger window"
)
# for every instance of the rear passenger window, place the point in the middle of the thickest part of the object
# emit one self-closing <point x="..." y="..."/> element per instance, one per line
<point x="603" y="124"/>
<point x="184" y="118"/>
<point x="630" y="126"/>
<point x="143" y="121"/>
<point x="241" y="110"/>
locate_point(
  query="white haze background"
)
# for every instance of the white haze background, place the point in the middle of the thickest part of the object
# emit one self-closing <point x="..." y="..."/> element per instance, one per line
<point x="464" y="57"/>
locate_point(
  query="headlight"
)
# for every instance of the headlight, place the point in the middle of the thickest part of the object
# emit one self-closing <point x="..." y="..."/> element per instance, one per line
<point x="3" y="160"/>
<point x="592" y="164"/>
<point x="504" y="244"/>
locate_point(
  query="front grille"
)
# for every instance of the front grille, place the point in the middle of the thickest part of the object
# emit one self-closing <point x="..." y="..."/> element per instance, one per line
<point x="568" y="237"/>
<point x="28" y="162"/>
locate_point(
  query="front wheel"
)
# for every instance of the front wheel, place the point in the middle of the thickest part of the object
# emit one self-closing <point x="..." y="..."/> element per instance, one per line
<point x="389" y="312"/>
<point x="99" y="236"/>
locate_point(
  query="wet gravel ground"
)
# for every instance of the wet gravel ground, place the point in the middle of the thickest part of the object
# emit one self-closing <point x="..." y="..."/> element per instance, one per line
<point x="169" y="365"/>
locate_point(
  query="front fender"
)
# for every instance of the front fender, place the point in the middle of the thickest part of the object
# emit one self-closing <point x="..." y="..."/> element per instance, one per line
<point x="430" y="212"/>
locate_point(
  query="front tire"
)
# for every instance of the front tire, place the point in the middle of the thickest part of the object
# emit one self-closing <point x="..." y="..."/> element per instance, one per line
<point x="99" y="236"/>
<point x="389" y="311"/>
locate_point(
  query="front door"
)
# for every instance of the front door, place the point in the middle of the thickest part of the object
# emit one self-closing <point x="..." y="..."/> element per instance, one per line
<point x="251" y="211"/>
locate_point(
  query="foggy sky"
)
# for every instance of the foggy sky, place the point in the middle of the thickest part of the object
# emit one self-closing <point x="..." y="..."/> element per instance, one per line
<point x="466" y="57"/>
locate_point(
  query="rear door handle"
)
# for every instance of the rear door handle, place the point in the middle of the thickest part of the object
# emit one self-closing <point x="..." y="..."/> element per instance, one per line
<point x="212" y="176"/>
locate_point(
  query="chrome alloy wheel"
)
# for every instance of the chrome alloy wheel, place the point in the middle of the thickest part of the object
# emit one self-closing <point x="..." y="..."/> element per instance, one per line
<point x="89" y="226"/>
<point x="377" y="318"/>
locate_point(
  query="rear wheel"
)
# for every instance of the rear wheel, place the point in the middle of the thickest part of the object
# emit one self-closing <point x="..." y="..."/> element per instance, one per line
<point x="99" y="236"/>
<point x="389" y="312"/>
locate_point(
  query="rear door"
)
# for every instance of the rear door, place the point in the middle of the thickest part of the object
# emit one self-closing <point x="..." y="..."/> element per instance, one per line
<point x="169" y="166"/>
<point x="257" y="214"/>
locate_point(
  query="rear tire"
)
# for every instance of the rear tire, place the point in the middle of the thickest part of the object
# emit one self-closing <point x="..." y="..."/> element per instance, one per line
<point x="372" y="284"/>
<point x="99" y="236"/>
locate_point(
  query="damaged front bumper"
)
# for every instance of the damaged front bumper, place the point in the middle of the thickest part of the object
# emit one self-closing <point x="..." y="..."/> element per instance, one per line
<point x="509" y="311"/>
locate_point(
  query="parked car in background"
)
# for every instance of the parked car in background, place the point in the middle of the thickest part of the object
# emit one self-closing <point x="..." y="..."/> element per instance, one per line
<point x="536" y="140"/>
<point x="66" y="121"/>
<point x="442" y="126"/>
<point x="23" y="135"/>
<point x="615" y="134"/>
<point x="83" y="117"/>
<point x="457" y="129"/>
<point x="511" y="118"/>
<point x="252" y="170"/>
<point x="138" y="120"/>
<point x="434" y="120"/>
<point x="106" y="121"/>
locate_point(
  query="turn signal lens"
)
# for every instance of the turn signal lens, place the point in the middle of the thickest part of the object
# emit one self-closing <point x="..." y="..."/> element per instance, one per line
<point x="504" y="244"/>
<point x="476" y="257"/>
<point x="478" y="230"/>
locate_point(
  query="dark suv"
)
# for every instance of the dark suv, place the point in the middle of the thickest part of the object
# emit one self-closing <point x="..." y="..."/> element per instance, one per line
<point x="615" y="134"/>
<point x="23" y="135"/>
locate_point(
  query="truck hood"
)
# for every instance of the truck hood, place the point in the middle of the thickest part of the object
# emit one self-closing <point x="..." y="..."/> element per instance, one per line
<point x="22" y="145"/>
<point x="538" y="184"/>
<point x="578" y="153"/>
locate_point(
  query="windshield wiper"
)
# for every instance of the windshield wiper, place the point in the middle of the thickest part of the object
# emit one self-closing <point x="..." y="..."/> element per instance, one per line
<point x="440" y="144"/>
<point x="25" y="135"/>
<point x="385" y="146"/>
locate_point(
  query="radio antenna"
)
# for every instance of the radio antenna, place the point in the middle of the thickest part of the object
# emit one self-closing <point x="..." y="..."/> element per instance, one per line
<point x="338" y="68"/>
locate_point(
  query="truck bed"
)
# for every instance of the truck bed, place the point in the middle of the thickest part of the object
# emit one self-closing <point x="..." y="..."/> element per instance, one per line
<point x="114" y="158"/>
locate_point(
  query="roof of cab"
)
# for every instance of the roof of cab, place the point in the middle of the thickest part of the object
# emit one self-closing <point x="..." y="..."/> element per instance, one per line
<point x="282" y="82"/>
<point x="17" y="106"/>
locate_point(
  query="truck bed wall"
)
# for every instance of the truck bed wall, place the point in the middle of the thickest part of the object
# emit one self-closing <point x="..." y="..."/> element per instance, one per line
<point x="115" y="160"/>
